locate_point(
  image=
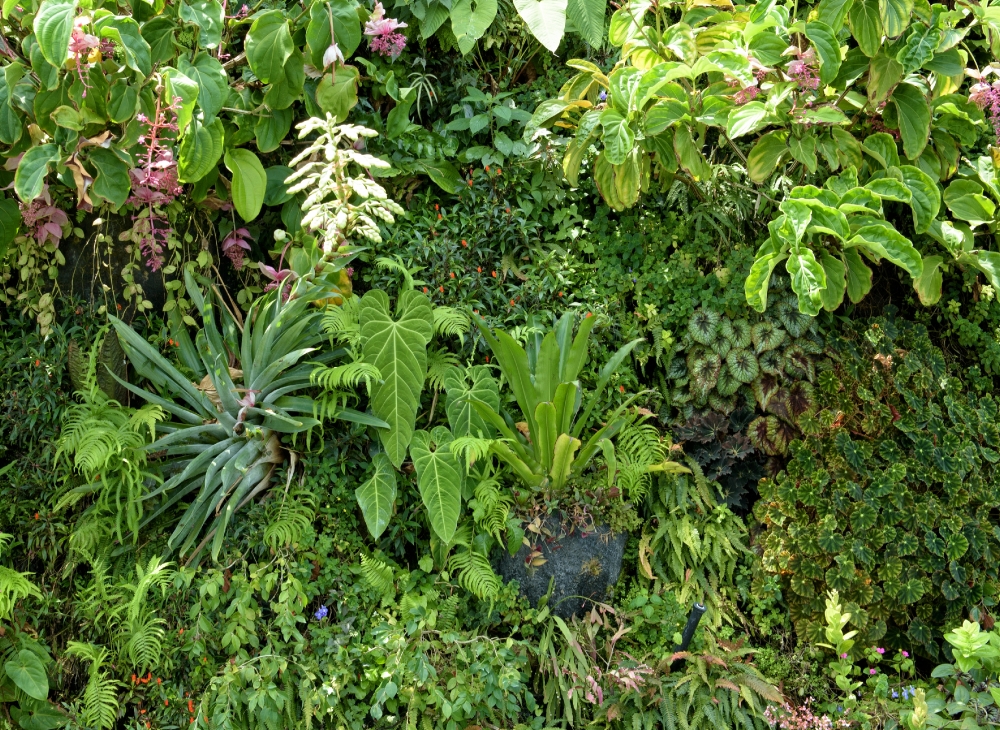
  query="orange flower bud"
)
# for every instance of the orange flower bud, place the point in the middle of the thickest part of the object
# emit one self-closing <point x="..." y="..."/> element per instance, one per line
<point x="464" y="243"/>
<point x="441" y="289"/>
<point x="452" y="274"/>
<point x="479" y="269"/>
<point x="494" y="274"/>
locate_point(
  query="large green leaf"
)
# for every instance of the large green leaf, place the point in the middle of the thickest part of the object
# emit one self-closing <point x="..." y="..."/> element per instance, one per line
<point x="746" y="119"/>
<point x="342" y="16"/>
<point x="28" y="673"/>
<point x="268" y="46"/>
<point x="928" y="284"/>
<point x="618" y="137"/>
<point x="53" y="27"/>
<point x="30" y="174"/>
<point x="125" y="31"/>
<point x="920" y="46"/>
<point x="398" y="348"/>
<point x="377" y="495"/>
<point x="213" y="84"/>
<point x="836" y="281"/>
<point x="273" y="128"/>
<point x="439" y="478"/>
<point x="884" y="73"/>
<point x="337" y="95"/>
<point x="546" y="19"/>
<point x="209" y="17"/>
<point x="859" y="276"/>
<point x="112" y="182"/>
<point x="756" y="285"/>
<point x="765" y="155"/>
<point x="689" y="155"/>
<point x="180" y="86"/>
<point x="588" y="17"/>
<point x="200" y="150"/>
<point x="965" y="200"/>
<point x="896" y="15"/>
<point x="926" y="200"/>
<point x="473" y="383"/>
<point x="470" y="19"/>
<point x="914" y="114"/>
<point x="10" y="122"/>
<point x="824" y="40"/>
<point x="866" y="26"/>
<point x="808" y="279"/>
<point x="249" y="182"/>
<point x="10" y="222"/>
<point x="888" y="243"/>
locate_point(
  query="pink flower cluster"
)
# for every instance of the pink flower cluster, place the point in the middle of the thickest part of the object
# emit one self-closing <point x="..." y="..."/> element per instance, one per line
<point x="803" y="70"/>
<point x="155" y="183"/>
<point x="987" y="97"/>
<point x="800" y="717"/>
<point x="382" y="33"/>
<point x="235" y="246"/>
<point x="44" y="219"/>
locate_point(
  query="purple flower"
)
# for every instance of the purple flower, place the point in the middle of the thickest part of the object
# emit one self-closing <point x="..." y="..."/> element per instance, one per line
<point x="895" y="694"/>
<point x="321" y="613"/>
<point x="603" y="96"/>
<point x="905" y="654"/>
<point x="235" y="245"/>
<point x="873" y="671"/>
<point x="844" y="655"/>
<point x="880" y="650"/>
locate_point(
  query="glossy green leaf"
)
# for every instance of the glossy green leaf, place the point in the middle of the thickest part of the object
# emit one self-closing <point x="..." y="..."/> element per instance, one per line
<point x="200" y="151"/>
<point x="926" y="201"/>
<point x="125" y="31"/>
<point x="618" y="136"/>
<point x="808" y="279"/>
<point x="112" y="182"/>
<point x="377" y="495"/>
<point x="213" y="84"/>
<point x="53" y="26"/>
<point x="928" y="284"/>
<point x="746" y="119"/>
<point x="29" y="177"/>
<point x="439" y="478"/>
<point x="882" y="147"/>
<point x="756" y="285"/>
<point x="470" y="19"/>
<point x="476" y="383"/>
<point x="10" y="223"/>
<point x="895" y="15"/>
<point x="866" y="25"/>
<point x="836" y="282"/>
<point x="824" y="40"/>
<point x="920" y="46"/>
<point x="546" y="19"/>
<point x="342" y="15"/>
<point x="965" y="200"/>
<point x="690" y="157"/>
<point x="914" y="115"/>
<point x="888" y="243"/>
<point x="268" y="46"/>
<point x="398" y="348"/>
<point x="208" y="17"/>
<point x="833" y="13"/>
<point x="765" y="155"/>
<point x="272" y="128"/>
<point x="338" y="95"/>
<point x="588" y="17"/>
<point x="123" y="102"/>
<point x="249" y="182"/>
<point x="186" y="89"/>
<point x="26" y="671"/>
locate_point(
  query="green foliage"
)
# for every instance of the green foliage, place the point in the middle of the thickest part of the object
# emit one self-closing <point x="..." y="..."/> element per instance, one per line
<point x="883" y="499"/>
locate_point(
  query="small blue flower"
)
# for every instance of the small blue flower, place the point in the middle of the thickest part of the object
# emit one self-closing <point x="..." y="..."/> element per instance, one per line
<point x="895" y="694"/>
<point x="840" y="708"/>
<point x="906" y="694"/>
<point x="602" y="96"/>
<point x="322" y="613"/>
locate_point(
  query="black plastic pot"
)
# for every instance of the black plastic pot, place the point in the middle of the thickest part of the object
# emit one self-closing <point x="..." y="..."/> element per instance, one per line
<point x="584" y="565"/>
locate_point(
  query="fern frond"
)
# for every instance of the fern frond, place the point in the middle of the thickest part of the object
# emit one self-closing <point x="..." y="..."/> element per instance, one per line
<point x="343" y="323"/>
<point x="451" y="321"/>
<point x="14" y="587"/>
<point x="471" y="449"/>
<point x="377" y="575"/>
<point x="349" y="375"/>
<point x="476" y="574"/>
<point x="100" y="696"/>
<point x="439" y="363"/>
<point x="290" y="519"/>
<point x="492" y="508"/>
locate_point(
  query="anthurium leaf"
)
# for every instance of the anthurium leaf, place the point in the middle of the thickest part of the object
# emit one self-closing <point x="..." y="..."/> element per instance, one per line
<point x="546" y="19"/>
<point x="808" y="279"/>
<point x="398" y="348"/>
<point x="765" y="155"/>
<point x="112" y="182"/>
<point x="824" y="40"/>
<point x="914" y="114"/>
<point x="30" y="174"/>
<point x="926" y="200"/>
<point x="470" y="19"/>
<point x="377" y="495"/>
<point x="53" y="27"/>
<point x="209" y="17"/>
<point x="28" y="673"/>
<point x="462" y="385"/>
<point x="249" y="182"/>
<point x="439" y="478"/>
<point x="588" y="17"/>
<point x="890" y="244"/>
<point x="200" y="150"/>
<point x="268" y="46"/>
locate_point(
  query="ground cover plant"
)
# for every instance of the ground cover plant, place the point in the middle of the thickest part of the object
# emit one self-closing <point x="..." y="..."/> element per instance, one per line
<point x="424" y="364"/>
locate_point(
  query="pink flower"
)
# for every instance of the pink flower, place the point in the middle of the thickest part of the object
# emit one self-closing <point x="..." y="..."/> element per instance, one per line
<point x="905" y="654"/>
<point x="277" y="278"/>
<point x="873" y="671"/>
<point x="235" y="245"/>
<point x="384" y="38"/>
<point x="844" y="655"/>
<point x="880" y="650"/>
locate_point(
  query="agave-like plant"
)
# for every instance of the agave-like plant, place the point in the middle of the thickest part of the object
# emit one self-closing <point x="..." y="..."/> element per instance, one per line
<point x="224" y="441"/>
<point x="544" y="379"/>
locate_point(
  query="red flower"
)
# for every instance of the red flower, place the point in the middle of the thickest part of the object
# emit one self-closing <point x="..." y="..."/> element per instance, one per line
<point x="560" y="293"/>
<point x="436" y="206"/>
<point x="441" y="289"/>
<point x="621" y="388"/>
<point x="494" y="274"/>
<point x="452" y="274"/>
<point x="464" y="243"/>
<point x="36" y="517"/>
<point x="425" y="290"/>
<point x="479" y="269"/>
